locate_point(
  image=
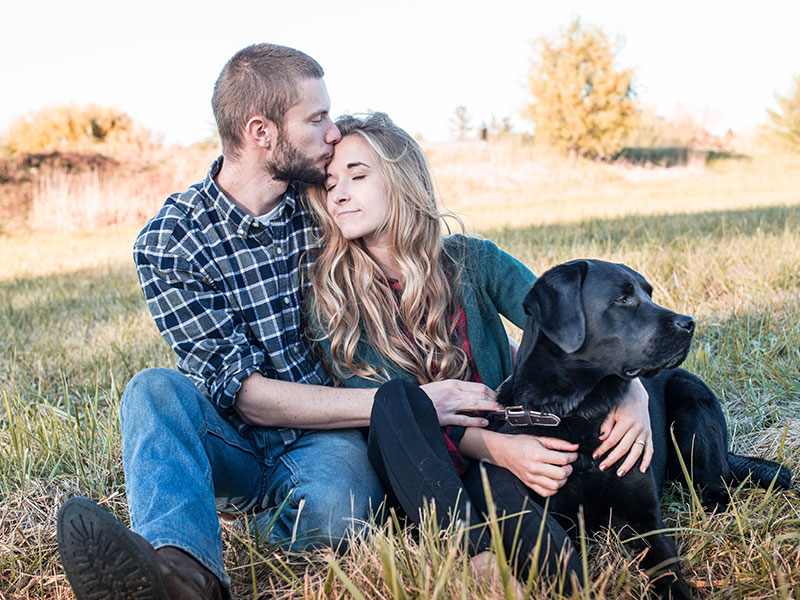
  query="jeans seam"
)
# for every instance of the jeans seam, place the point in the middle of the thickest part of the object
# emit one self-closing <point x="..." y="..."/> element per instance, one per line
<point x="293" y="467"/>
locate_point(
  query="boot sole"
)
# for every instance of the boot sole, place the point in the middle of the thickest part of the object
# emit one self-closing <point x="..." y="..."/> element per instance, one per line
<point x="103" y="561"/>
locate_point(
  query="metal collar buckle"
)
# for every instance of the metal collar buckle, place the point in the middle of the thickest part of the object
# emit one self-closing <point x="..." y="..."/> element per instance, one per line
<point x="517" y="416"/>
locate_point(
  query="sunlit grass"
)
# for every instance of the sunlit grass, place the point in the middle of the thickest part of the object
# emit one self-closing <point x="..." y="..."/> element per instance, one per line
<point x="721" y="243"/>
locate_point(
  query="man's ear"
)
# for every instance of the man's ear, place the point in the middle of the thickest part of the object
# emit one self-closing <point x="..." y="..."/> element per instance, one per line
<point x="261" y="131"/>
<point x="555" y="303"/>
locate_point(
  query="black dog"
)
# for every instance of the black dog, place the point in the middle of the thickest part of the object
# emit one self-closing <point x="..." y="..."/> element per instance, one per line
<point x="593" y="327"/>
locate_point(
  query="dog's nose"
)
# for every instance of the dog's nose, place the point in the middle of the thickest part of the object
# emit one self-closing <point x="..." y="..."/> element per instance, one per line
<point x="685" y="323"/>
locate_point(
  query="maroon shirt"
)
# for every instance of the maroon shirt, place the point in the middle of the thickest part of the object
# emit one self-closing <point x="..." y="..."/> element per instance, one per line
<point x="458" y="459"/>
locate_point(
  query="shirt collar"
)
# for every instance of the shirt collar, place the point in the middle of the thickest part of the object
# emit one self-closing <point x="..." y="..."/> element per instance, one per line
<point x="240" y="220"/>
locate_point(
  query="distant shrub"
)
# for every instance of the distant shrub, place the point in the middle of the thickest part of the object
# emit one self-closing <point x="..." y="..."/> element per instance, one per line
<point x="89" y="128"/>
<point x="582" y="103"/>
<point x="784" y="126"/>
<point x="685" y="127"/>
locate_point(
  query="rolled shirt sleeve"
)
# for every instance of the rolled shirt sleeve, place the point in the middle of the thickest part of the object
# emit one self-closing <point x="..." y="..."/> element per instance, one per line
<point x="209" y="338"/>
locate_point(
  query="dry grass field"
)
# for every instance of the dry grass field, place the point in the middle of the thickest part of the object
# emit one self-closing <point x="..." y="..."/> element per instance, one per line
<point x="720" y="241"/>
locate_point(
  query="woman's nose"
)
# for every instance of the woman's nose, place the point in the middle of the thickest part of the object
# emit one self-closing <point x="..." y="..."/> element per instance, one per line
<point x="340" y="194"/>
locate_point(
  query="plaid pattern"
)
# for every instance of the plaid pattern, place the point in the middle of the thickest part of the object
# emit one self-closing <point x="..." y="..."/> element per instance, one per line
<point x="226" y="291"/>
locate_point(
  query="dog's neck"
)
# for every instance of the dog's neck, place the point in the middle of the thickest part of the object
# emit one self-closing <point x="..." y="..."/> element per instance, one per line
<point x="547" y="380"/>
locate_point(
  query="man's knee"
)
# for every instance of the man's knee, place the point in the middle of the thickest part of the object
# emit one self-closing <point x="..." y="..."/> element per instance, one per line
<point x="328" y="517"/>
<point x="155" y="393"/>
<point x="333" y="492"/>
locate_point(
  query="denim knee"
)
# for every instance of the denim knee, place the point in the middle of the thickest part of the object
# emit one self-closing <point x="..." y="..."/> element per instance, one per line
<point x="337" y="511"/>
<point x="155" y="393"/>
<point x="329" y="487"/>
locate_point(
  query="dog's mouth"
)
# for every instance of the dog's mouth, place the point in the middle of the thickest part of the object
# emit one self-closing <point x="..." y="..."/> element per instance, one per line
<point x="647" y="372"/>
<point x="632" y="373"/>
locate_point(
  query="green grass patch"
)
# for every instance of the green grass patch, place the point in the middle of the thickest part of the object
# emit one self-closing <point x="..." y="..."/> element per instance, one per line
<point x="70" y="341"/>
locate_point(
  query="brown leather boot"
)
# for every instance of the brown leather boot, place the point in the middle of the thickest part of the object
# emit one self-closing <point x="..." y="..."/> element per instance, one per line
<point x="184" y="577"/>
<point x="104" y="560"/>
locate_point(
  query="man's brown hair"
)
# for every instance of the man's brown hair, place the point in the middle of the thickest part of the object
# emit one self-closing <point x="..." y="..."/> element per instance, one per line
<point x="258" y="80"/>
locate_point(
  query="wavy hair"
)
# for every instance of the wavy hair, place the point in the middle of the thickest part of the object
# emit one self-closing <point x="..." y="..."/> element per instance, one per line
<point x="415" y="328"/>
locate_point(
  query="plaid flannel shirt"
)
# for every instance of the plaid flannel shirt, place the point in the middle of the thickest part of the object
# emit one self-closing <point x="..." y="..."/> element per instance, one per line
<point x="226" y="291"/>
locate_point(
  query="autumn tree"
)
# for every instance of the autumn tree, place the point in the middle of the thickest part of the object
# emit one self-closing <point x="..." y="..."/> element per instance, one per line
<point x="583" y="104"/>
<point x="784" y="126"/>
<point x="72" y="128"/>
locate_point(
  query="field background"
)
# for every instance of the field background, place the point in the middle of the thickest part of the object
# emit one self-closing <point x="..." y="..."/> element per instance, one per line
<point x="718" y="240"/>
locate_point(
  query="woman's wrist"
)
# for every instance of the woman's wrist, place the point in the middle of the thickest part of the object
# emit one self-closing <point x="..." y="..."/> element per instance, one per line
<point x="482" y="444"/>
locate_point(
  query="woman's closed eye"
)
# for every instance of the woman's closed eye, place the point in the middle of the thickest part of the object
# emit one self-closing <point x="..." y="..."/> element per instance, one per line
<point x="330" y="186"/>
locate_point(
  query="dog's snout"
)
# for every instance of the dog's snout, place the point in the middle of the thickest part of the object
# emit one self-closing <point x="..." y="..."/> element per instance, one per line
<point x="685" y="323"/>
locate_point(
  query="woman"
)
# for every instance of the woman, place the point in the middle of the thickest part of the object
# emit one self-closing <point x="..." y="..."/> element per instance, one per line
<point x="397" y="303"/>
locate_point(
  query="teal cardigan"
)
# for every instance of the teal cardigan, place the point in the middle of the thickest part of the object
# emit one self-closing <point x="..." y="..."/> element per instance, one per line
<point x="491" y="283"/>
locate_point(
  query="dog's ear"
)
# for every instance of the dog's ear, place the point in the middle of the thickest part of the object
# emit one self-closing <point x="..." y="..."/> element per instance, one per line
<point x="554" y="302"/>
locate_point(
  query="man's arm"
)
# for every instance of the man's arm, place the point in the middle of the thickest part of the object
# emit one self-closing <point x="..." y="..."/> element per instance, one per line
<point x="274" y="403"/>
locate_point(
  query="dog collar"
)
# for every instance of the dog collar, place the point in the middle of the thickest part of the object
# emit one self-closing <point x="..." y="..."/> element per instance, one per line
<point x="516" y="416"/>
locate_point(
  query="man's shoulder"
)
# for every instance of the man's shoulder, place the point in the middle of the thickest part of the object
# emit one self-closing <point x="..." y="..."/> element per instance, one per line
<point x="174" y="221"/>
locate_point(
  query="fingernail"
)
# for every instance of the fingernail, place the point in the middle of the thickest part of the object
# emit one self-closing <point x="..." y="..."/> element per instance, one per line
<point x="595" y="455"/>
<point x="602" y="467"/>
<point x="620" y="473"/>
<point x="484" y="422"/>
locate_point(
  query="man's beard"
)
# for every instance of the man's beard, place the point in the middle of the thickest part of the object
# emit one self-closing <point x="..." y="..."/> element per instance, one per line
<point x="290" y="163"/>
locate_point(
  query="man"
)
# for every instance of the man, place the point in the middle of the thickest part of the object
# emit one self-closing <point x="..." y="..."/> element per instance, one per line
<point x="247" y="424"/>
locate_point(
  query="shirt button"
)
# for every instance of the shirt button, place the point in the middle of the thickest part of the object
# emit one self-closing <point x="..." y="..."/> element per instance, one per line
<point x="286" y="300"/>
<point x="279" y="250"/>
<point x="256" y="223"/>
<point x="240" y="231"/>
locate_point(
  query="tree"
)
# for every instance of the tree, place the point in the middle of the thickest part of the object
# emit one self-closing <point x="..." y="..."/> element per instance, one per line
<point x="460" y="122"/>
<point x="500" y="128"/>
<point x="784" y="126"/>
<point x="76" y="129"/>
<point x="582" y="103"/>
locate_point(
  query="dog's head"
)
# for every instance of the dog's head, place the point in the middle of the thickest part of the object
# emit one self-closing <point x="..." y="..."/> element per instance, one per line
<point x="601" y="315"/>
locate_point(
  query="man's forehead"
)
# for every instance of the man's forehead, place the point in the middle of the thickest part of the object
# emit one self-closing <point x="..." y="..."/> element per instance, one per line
<point x="312" y="96"/>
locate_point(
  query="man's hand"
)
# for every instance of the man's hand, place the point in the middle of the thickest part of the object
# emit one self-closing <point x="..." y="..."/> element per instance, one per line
<point x="626" y="429"/>
<point x="541" y="463"/>
<point x="451" y="398"/>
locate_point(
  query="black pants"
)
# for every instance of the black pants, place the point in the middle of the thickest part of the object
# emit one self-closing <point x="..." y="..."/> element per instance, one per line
<point x="407" y="451"/>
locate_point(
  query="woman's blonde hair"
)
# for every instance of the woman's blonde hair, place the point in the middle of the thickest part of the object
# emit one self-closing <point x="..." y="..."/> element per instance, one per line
<point x="352" y="296"/>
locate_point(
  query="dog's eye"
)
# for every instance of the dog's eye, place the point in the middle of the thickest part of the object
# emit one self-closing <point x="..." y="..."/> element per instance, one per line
<point x="622" y="300"/>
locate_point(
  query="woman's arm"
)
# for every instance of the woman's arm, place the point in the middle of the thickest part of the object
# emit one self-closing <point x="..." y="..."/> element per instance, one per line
<point x="541" y="463"/>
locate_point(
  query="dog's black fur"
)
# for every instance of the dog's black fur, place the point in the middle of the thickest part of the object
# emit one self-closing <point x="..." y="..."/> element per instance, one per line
<point x="592" y="327"/>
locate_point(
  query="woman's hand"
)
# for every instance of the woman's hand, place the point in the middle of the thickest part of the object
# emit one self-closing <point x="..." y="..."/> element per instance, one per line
<point x="626" y="429"/>
<point x="541" y="463"/>
<point x="452" y="397"/>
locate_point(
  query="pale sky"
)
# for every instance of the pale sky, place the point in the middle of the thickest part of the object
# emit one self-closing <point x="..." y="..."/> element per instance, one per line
<point x="416" y="60"/>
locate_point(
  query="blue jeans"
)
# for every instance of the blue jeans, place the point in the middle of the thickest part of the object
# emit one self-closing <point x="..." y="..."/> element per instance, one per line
<point x="184" y="463"/>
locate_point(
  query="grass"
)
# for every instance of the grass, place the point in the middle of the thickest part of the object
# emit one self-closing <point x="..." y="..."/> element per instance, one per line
<point x="721" y="243"/>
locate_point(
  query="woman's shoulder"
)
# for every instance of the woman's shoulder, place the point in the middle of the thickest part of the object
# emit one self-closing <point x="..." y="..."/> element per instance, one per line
<point x="466" y="244"/>
<point x="470" y="249"/>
